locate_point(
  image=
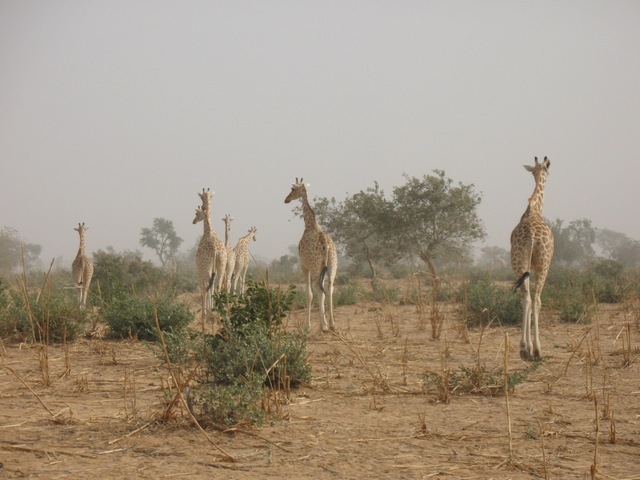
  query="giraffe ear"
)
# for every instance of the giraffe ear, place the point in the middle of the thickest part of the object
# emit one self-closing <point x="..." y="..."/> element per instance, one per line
<point x="529" y="168"/>
<point x="307" y="186"/>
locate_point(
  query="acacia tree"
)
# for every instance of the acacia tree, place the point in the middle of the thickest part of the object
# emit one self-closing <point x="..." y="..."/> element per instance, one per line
<point x="162" y="238"/>
<point x="360" y="225"/>
<point x="435" y="218"/>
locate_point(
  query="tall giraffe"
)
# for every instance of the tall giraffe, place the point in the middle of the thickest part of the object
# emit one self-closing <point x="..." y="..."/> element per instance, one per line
<point x="231" y="254"/>
<point x="82" y="268"/>
<point x="242" y="259"/>
<point x="532" y="250"/>
<point x="318" y="257"/>
<point x="211" y="255"/>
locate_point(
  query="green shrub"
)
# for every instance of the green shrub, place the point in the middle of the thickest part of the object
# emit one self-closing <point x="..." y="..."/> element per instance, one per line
<point x="50" y="317"/>
<point x="485" y="301"/>
<point x="259" y="306"/>
<point x="278" y="360"/>
<point x="570" y="293"/>
<point x="130" y="316"/>
<point x="251" y="353"/>
<point x="346" y="295"/>
<point x="232" y="404"/>
<point x="384" y="294"/>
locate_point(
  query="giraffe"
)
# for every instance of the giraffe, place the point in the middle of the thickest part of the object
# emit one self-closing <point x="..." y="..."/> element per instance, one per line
<point x="82" y="268"/>
<point x="318" y="256"/>
<point x="231" y="254"/>
<point x="211" y="255"/>
<point x="242" y="259"/>
<point x="532" y="250"/>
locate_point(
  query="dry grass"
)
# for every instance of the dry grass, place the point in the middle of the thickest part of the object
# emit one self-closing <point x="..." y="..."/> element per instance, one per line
<point x="366" y="413"/>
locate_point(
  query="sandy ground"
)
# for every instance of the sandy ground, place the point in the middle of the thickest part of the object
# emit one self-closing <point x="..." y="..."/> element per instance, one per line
<point x="366" y="413"/>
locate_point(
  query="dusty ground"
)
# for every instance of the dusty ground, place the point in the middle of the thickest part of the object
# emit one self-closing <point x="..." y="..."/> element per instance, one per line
<point x="365" y="415"/>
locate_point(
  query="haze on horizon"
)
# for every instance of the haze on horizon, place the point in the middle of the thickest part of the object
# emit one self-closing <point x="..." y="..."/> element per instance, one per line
<point x="115" y="113"/>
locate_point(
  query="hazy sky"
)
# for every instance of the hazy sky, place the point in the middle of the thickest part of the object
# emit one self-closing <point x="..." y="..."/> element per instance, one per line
<point x="114" y="112"/>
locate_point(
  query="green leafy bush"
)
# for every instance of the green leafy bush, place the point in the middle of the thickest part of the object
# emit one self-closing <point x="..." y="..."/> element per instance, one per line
<point x="49" y="317"/>
<point x="258" y="307"/>
<point x="251" y="354"/>
<point x="385" y="294"/>
<point x="485" y="301"/>
<point x="131" y="316"/>
<point x="346" y="295"/>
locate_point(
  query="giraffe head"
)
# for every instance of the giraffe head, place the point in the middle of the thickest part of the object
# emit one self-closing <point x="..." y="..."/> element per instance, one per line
<point x="81" y="228"/>
<point x="227" y="219"/>
<point x="252" y="233"/>
<point x="200" y="215"/>
<point x="205" y="196"/>
<point x="540" y="170"/>
<point x="298" y="190"/>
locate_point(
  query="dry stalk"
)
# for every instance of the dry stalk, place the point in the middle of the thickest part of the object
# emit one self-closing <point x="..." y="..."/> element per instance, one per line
<point x="404" y="359"/>
<point x="67" y="357"/>
<point x="395" y="326"/>
<point x="612" y="430"/>
<point x="377" y="378"/>
<point x="594" y="466"/>
<point x="566" y="367"/>
<point x="376" y="319"/>
<point x="129" y="396"/>
<point x="588" y="377"/>
<point x="626" y="346"/>
<point x="179" y="393"/>
<point x="437" y="317"/>
<point x="544" y="455"/>
<point x="43" y="361"/>
<point x="9" y="369"/>
<point x="420" y="306"/>
<point x="506" y="392"/>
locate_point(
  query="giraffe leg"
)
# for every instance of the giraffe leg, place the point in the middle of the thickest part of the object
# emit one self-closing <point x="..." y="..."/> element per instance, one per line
<point x="526" y="347"/>
<point x="309" y="301"/>
<point x="332" y="323"/>
<point x="323" y="318"/>
<point x="535" y="350"/>
<point x="537" y="304"/>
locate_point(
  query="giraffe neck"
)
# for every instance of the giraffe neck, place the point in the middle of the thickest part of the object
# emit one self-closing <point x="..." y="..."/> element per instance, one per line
<point x="207" y="221"/>
<point x="536" y="200"/>
<point x="81" y="247"/>
<point x="226" y="233"/>
<point x="308" y="214"/>
<point x="243" y="241"/>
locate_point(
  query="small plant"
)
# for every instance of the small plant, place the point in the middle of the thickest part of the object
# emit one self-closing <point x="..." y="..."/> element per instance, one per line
<point x="346" y="295"/>
<point x="259" y="306"/>
<point x="476" y="380"/>
<point x="250" y="358"/>
<point x="129" y="316"/>
<point x="49" y="317"/>
<point x="385" y="294"/>
<point x="486" y="301"/>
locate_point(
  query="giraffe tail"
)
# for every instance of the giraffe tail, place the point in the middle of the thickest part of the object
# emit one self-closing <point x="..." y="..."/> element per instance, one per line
<point x="323" y="273"/>
<point x="211" y="279"/>
<point x="518" y="283"/>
